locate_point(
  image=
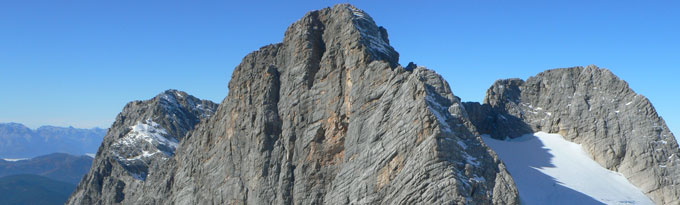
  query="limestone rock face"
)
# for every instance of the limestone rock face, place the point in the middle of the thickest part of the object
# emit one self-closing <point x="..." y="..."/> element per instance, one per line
<point x="501" y="118"/>
<point x="590" y="106"/>
<point x="143" y="137"/>
<point x="327" y="117"/>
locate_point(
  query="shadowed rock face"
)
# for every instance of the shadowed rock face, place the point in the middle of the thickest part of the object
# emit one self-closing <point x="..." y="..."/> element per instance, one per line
<point x="500" y="119"/>
<point x="590" y="106"/>
<point x="143" y="137"/>
<point x="328" y="116"/>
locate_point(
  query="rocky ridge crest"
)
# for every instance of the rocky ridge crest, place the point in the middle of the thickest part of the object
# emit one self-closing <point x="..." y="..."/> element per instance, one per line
<point x="328" y="116"/>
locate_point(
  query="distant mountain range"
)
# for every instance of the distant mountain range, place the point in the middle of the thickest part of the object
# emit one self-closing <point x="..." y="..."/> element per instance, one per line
<point x="57" y="166"/>
<point x="48" y="179"/>
<point x="33" y="189"/>
<point x="19" y="141"/>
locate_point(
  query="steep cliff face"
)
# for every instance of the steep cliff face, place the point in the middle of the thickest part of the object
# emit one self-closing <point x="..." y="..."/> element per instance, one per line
<point x="328" y="116"/>
<point x="143" y="137"/>
<point x="590" y="106"/>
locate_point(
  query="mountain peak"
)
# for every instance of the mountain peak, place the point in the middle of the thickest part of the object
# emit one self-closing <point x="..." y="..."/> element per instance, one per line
<point x="593" y="107"/>
<point x="148" y="132"/>
<point x="173" y="92"/>
<point x="341" y="30"/>
<point x="14" y="125"/>
<point x="326" y="116"/>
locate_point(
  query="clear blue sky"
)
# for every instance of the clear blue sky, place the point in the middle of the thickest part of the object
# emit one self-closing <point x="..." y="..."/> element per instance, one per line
<point x="79" y="62"/>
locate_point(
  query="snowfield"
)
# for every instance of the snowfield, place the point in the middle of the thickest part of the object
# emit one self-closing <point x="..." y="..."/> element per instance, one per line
<point x="551" y="170"/>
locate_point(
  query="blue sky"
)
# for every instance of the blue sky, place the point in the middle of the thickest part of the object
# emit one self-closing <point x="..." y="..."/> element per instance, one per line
<point x="79" y="62"/>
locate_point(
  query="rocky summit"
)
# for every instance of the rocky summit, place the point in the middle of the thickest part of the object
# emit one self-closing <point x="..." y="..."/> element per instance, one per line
<point x="143" y="137"/>
<point x="590" y="106"/>
<point x="328" y="116"/>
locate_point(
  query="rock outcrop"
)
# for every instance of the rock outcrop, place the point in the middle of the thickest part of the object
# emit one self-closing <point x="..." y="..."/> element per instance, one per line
<point x="143" y="137"/>
<point x="326" y="117"/>
<point x="590" y="106"/>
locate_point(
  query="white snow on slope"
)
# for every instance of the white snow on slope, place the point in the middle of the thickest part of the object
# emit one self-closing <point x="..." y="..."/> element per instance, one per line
<point x="141" y="145"/>
<point x="370" y="35"/>
<point x="150" y="132"/>
<point x="436" y="109"/>
<point x="144" y="154"/>
<point x="551" y="170"/>
<point x="356" y="12"/>
<point x="17" y="159"/>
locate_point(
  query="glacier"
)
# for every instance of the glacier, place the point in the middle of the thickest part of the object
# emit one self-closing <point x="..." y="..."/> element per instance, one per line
<point x="551" y="170"/>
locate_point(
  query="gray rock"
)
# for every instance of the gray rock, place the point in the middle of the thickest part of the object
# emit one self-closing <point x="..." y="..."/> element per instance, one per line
<point x="590" y="106"/>
<point x="328" y="117"/>
<point x="411" y="66"/>
<point x="143" y="137"/>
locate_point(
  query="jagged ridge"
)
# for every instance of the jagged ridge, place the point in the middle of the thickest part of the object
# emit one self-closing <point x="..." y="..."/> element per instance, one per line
<point x="328" y="116"/>
<point x="143" y="137"/>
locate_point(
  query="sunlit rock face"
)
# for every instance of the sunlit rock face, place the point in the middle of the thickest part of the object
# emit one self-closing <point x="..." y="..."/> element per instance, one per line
<point x="328" y="116"/>
<point x="144" y="136"/>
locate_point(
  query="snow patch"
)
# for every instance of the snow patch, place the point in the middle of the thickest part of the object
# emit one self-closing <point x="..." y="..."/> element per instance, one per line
<point x="138" y="176"/>
<point x="502" y="117"/>
<point x="143" y="155"/>
<point x="150" y="132"/>
<point x="92" y="155"/>
<point x="356" y="12"/>
<point x="374" y="40"/>
<point x="462" y="144"/>
<point x="15" y="159"/>
<point x="140" y="145"/>
<point x="471" y="160"/>
<point x="436" y="108"/>
<point x="478" y="179"/>
<point x="375" y="43"/>
<point x="551" y="170"/>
